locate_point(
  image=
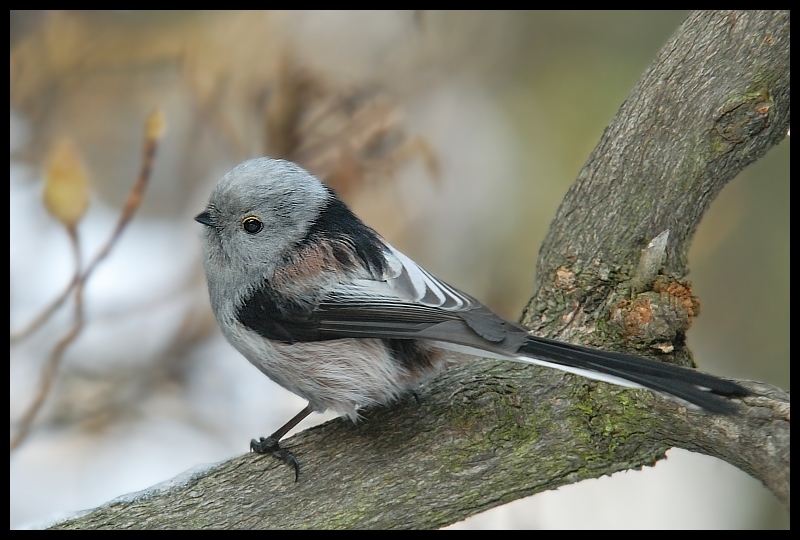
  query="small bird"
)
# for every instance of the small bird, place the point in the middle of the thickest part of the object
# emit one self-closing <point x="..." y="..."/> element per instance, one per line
<point x="326" y="308"/>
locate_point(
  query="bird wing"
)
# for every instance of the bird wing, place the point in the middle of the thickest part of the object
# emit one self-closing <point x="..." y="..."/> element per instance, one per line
<point x="406" y="301"/>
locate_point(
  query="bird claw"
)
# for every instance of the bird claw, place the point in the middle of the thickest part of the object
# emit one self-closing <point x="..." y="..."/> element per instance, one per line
<point x="269" y="445"/>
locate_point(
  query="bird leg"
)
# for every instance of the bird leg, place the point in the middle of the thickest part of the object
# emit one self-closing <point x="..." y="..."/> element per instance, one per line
<point x="269" y="445"/>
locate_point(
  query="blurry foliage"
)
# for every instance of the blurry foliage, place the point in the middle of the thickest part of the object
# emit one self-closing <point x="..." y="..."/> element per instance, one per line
<point x="77" y="64"/>
<point x="345" y="137"/>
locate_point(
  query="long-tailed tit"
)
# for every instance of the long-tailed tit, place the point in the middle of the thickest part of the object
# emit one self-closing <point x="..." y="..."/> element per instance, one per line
<point x="325" y="307"/>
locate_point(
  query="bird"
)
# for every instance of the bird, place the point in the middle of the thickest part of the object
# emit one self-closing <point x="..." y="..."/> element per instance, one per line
<point x="324" y="306"/>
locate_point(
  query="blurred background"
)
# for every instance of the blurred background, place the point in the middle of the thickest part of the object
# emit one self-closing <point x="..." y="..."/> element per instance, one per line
<point x="453" y="134"/>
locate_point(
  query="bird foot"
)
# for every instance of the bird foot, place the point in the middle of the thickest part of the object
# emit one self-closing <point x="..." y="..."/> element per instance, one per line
<point x="269" y="445"/>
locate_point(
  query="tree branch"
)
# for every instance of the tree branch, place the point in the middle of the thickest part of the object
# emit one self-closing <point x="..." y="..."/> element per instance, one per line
<point x="715" y="99"/>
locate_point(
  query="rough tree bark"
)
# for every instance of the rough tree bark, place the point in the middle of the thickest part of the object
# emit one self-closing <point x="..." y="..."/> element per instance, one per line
<point x="715" y="99"/>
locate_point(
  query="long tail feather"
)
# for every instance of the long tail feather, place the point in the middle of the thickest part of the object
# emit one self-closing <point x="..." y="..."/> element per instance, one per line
<point x="697" y="388"/>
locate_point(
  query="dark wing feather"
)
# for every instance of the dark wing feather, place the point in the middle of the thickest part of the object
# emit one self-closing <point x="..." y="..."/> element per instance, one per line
<point x="406" y="301"/>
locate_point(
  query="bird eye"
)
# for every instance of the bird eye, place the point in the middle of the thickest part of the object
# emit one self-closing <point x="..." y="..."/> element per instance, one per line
<point x="252" y="225"/>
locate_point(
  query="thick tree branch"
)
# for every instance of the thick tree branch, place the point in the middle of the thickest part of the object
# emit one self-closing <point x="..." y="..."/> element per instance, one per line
<point x="715" y="99"/>
<point x="485" y="435"/>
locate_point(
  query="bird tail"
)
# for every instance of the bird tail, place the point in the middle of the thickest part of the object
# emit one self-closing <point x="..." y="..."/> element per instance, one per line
<point x="686" y="385"/>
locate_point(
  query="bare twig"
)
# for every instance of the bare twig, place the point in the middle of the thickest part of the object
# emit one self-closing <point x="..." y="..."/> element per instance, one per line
<point x="153" y="131"/>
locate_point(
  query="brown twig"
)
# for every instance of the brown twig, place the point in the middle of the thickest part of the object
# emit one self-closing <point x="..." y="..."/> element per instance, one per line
<point x="49" y="372"/>
<point x="153" y="131"/>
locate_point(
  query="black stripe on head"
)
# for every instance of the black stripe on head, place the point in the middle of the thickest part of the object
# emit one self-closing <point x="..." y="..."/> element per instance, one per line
<point x="340" y="228"/>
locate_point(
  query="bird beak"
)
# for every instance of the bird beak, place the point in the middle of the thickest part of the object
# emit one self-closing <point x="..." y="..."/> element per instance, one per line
<point x="205" y="218"/>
